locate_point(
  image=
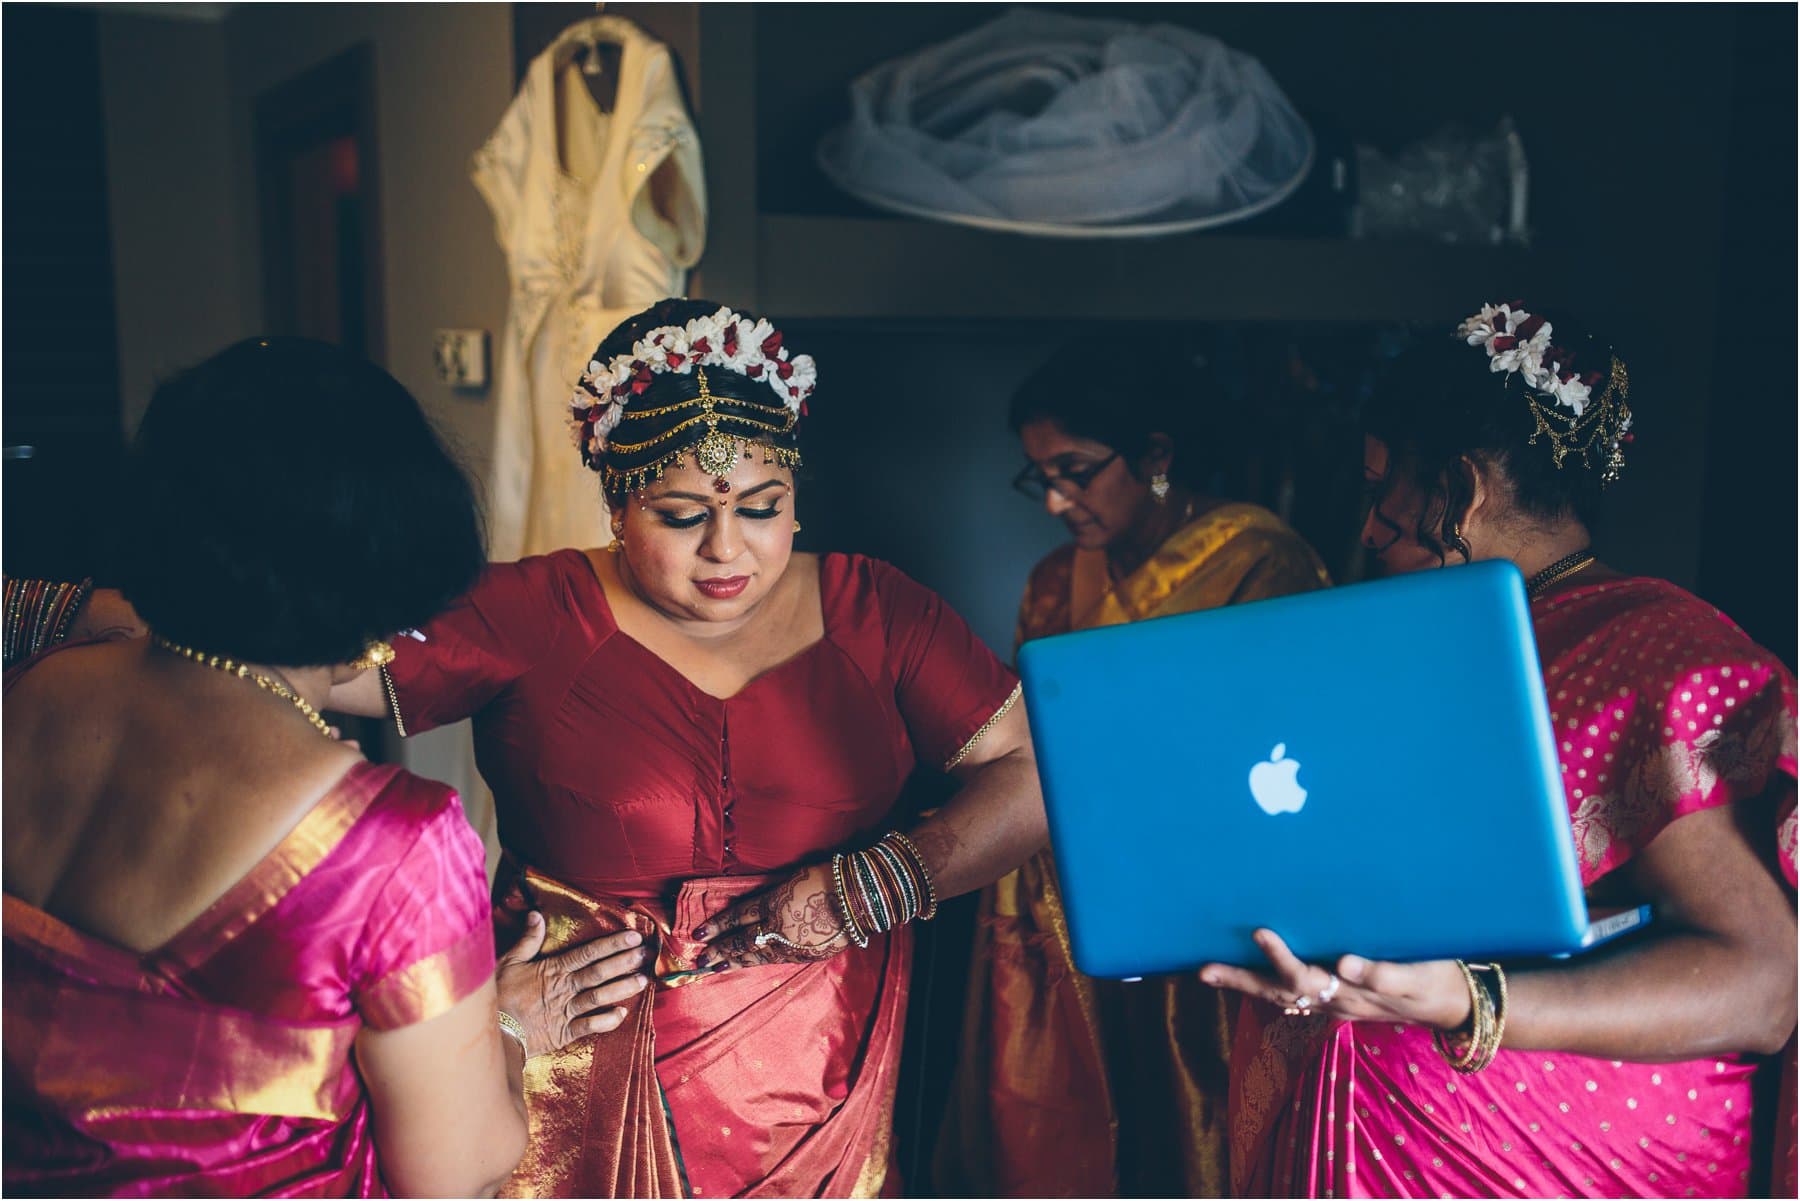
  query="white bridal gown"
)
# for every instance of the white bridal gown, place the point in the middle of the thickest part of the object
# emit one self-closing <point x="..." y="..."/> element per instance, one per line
<point x="600" y="216"/>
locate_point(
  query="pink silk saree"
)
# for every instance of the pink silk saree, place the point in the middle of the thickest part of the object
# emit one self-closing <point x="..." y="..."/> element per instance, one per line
<point x="771" y="1082"/>
<point x="221" y="1064"/>
<point x="1662" y="708"/>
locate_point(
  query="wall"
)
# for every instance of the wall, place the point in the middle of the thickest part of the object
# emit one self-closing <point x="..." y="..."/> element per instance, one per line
<point x="180" y="101"/>
<point x="185" y="213"/>
<point x="174" y="225"/>
<point x="443" y="79"/>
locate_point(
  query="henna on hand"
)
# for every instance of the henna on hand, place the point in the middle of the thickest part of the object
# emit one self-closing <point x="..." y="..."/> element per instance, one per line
<point x="937" y="843"/>
<point x="796" y="921"/>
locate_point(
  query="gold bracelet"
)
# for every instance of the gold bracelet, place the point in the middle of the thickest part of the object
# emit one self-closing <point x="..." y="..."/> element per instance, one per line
<point x="843" y="900"/>
<point x="931" y="897"/>
<point x="1487" y="1022"/>
<point x="1496" y="1012"/>
<point x="510" y="1025"/>
<point x="1460" y="1057"/>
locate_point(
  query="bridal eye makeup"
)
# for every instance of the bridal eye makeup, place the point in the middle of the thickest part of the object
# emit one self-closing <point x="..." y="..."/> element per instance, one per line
<point x="684" y="517"/>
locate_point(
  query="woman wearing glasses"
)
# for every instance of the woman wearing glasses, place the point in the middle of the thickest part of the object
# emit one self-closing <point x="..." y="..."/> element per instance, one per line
<point x="1070" y="1086"/>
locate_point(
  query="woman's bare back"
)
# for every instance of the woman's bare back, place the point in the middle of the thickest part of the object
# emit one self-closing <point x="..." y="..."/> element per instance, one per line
<point x="139" y="787"/>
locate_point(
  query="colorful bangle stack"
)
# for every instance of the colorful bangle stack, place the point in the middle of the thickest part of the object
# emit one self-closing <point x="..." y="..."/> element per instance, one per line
<point x="1475" y="1050"/>
<point x="39" y="614"/>
<point x="883" y="887"/>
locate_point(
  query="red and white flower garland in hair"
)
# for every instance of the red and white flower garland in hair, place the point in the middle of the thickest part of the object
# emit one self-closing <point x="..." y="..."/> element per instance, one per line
<point x="722" y="339"/>
<point x="1516" y="340"/>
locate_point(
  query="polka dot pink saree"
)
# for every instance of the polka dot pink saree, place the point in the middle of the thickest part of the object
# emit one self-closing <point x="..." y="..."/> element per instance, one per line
<point x="1662" y="708"/>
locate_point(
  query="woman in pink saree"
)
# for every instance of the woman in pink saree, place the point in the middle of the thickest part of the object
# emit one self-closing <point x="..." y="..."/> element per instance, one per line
<point x="241" y="960"/>
<point x="1627" y="1072"/>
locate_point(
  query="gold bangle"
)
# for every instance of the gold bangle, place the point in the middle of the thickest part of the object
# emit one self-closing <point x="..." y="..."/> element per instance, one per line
<point x="510" y="1026"/>
<point x="1497" y="1011"/>
<point x="1462" y="1054"/>
<point x="1487" y="1022"/>
<point x="931" y="897"/>
<point x="843" y="900"/>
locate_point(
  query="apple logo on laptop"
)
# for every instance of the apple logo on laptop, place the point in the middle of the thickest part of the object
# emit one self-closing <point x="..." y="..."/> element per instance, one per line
<point x="1275" y="784"/>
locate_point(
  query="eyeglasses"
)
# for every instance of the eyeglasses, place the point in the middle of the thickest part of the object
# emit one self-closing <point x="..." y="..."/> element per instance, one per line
<point x="1034" y="482"/>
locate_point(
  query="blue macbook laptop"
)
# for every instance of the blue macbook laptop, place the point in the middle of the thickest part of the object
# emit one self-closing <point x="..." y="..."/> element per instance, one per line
<point x="1366" y="769"/>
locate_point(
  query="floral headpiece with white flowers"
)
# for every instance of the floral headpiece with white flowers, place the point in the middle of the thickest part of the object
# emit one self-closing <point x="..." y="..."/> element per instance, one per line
<point x="725" y="340"/>
<point x="1519" y="343"/>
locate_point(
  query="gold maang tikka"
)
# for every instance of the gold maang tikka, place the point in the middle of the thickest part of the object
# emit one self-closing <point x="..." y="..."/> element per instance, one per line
<point x="717" y="453"/>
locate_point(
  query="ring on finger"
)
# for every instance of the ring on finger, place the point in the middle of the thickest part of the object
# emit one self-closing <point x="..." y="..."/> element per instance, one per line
<point x="1330" y="990"/>
<point x="1299" y="1007"/>
<point x="765" y="937"/>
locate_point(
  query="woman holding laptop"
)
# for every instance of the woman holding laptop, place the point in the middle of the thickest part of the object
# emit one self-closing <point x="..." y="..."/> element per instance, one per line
<point x="1625" y="1071"/>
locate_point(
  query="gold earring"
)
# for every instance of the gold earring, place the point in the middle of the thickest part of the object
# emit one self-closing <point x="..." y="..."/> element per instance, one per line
<point x="375" y="654"/>
<point x="1159" y="488"/>
<point x="1458" y="543"/>
<point x="796" y="525"/>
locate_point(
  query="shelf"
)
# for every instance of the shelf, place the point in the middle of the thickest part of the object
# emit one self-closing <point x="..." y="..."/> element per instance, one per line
<point x="837" y="267"/>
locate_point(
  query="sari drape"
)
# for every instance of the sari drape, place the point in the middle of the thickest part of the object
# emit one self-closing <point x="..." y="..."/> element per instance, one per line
<point x="1075" y="1087"/>
<point x="635" y="797"/>
<point x="1662" y="708"/>
<point x="221" y="1064"/>
<point x="786" y="1085"/>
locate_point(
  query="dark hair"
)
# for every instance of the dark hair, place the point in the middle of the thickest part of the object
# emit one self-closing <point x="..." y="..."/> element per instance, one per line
<point x="1437" y="401"/>
<point x="1119" y="406"/>
<point x="743" y="403"/>
<point x="287" y="503"/>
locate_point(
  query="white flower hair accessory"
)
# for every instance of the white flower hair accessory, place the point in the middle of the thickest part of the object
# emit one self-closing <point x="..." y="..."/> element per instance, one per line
<point x="1518" y="342"/>
<point x="720" y="339"/>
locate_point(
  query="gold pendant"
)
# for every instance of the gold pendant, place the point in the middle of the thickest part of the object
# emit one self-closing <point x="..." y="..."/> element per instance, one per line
<point x="717" y="453"/>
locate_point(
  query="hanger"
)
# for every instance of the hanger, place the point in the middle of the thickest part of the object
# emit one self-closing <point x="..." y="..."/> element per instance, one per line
<point x="599" y="50"/>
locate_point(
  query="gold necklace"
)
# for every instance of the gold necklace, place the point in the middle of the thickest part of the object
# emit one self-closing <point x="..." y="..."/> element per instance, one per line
<point x="232" y="667"/>
<point x="1558" y="571"/>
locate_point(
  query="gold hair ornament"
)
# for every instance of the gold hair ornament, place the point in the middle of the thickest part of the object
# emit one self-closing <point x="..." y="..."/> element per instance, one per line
<point x="717" y="452"/>
<point x="1600" y="430"/>
<point x="1561" y="398"/>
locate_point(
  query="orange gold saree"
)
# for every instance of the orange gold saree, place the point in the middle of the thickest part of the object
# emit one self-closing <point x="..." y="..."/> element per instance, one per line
<point x="1075" y="1087"/>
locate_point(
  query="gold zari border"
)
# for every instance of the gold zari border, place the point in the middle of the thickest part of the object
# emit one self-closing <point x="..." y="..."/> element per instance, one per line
<point x="1011" y="700"/>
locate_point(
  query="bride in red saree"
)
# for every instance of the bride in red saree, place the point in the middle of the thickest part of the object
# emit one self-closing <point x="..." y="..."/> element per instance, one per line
<point x="701" y="735"/>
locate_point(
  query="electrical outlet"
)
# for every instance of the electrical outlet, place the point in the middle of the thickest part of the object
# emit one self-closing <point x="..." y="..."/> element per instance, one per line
<point x="460" y="356"/>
